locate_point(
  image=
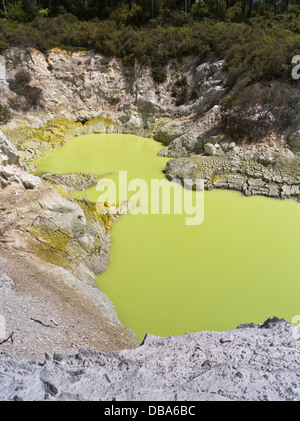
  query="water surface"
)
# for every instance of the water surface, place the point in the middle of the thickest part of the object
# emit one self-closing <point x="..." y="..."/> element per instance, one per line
<point x="166" y="278"/>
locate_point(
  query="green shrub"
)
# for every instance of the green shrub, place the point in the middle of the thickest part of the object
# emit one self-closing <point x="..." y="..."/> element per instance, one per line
<point x="15" y="12"/>
<point x="159" y="73"/>
<point x="2" y="42"/>
<point x="5" y="114"/>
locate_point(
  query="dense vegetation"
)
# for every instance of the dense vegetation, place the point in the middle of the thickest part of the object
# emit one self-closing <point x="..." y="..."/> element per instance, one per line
<point x="139" y="12"/>
<point x="155" y="31"/>
<point x="257" y="39"/>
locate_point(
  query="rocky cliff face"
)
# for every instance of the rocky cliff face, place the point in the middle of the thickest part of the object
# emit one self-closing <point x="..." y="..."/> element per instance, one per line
<point x="183" y="112"/>
<point x="250" y="363"/>
<point x="84" y="92"/>
<point x="83" y="85"/>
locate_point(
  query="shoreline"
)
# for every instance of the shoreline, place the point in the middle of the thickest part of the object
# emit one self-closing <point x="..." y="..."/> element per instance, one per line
<point x="232" y="171"/>
<point x="247" y="176"/>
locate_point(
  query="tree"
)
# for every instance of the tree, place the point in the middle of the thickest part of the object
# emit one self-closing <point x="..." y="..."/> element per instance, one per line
<point x="243" y="7"/>
<point x="26" y="6"/>
<point x="250" y="8"/>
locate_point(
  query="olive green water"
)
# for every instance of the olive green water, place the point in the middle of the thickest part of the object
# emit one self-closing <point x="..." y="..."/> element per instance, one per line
<point x="166" y="278"/>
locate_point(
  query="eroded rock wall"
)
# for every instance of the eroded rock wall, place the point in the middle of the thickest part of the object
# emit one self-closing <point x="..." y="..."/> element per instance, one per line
<point x="80" y="86"/>
<point x="84" y="92"/>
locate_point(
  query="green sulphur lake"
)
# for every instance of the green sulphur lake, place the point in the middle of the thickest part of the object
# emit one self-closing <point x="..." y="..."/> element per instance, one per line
<point x="167" y="278"/>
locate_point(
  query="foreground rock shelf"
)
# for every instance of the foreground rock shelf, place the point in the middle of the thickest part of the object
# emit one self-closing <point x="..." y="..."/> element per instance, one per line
<point x="252" y="362"/>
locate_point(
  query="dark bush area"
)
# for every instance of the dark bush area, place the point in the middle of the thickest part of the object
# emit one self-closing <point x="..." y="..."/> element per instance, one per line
<point x="251" y="113"/>
<point x="180" y="90"/>
<point x="21" y="86"/>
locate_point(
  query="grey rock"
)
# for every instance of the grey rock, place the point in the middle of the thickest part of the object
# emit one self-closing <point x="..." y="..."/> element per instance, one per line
<point x="250" y="363"/>
<point x="239" y="173"/>
<point x="169" y="131"/>
<point x="183" y="145"/>
<point x="210" y="149"/>
<point x="265" y="159"/>
<point x="6" y="284"/>
<point x="29" y="181"/>
<point x="246" y="326"/>
<point x="294" y="140"/>
<point x="8" y="149"/>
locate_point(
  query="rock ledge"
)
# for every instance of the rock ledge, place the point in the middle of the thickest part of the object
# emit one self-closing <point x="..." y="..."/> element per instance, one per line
<point x="253" y="362"/>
